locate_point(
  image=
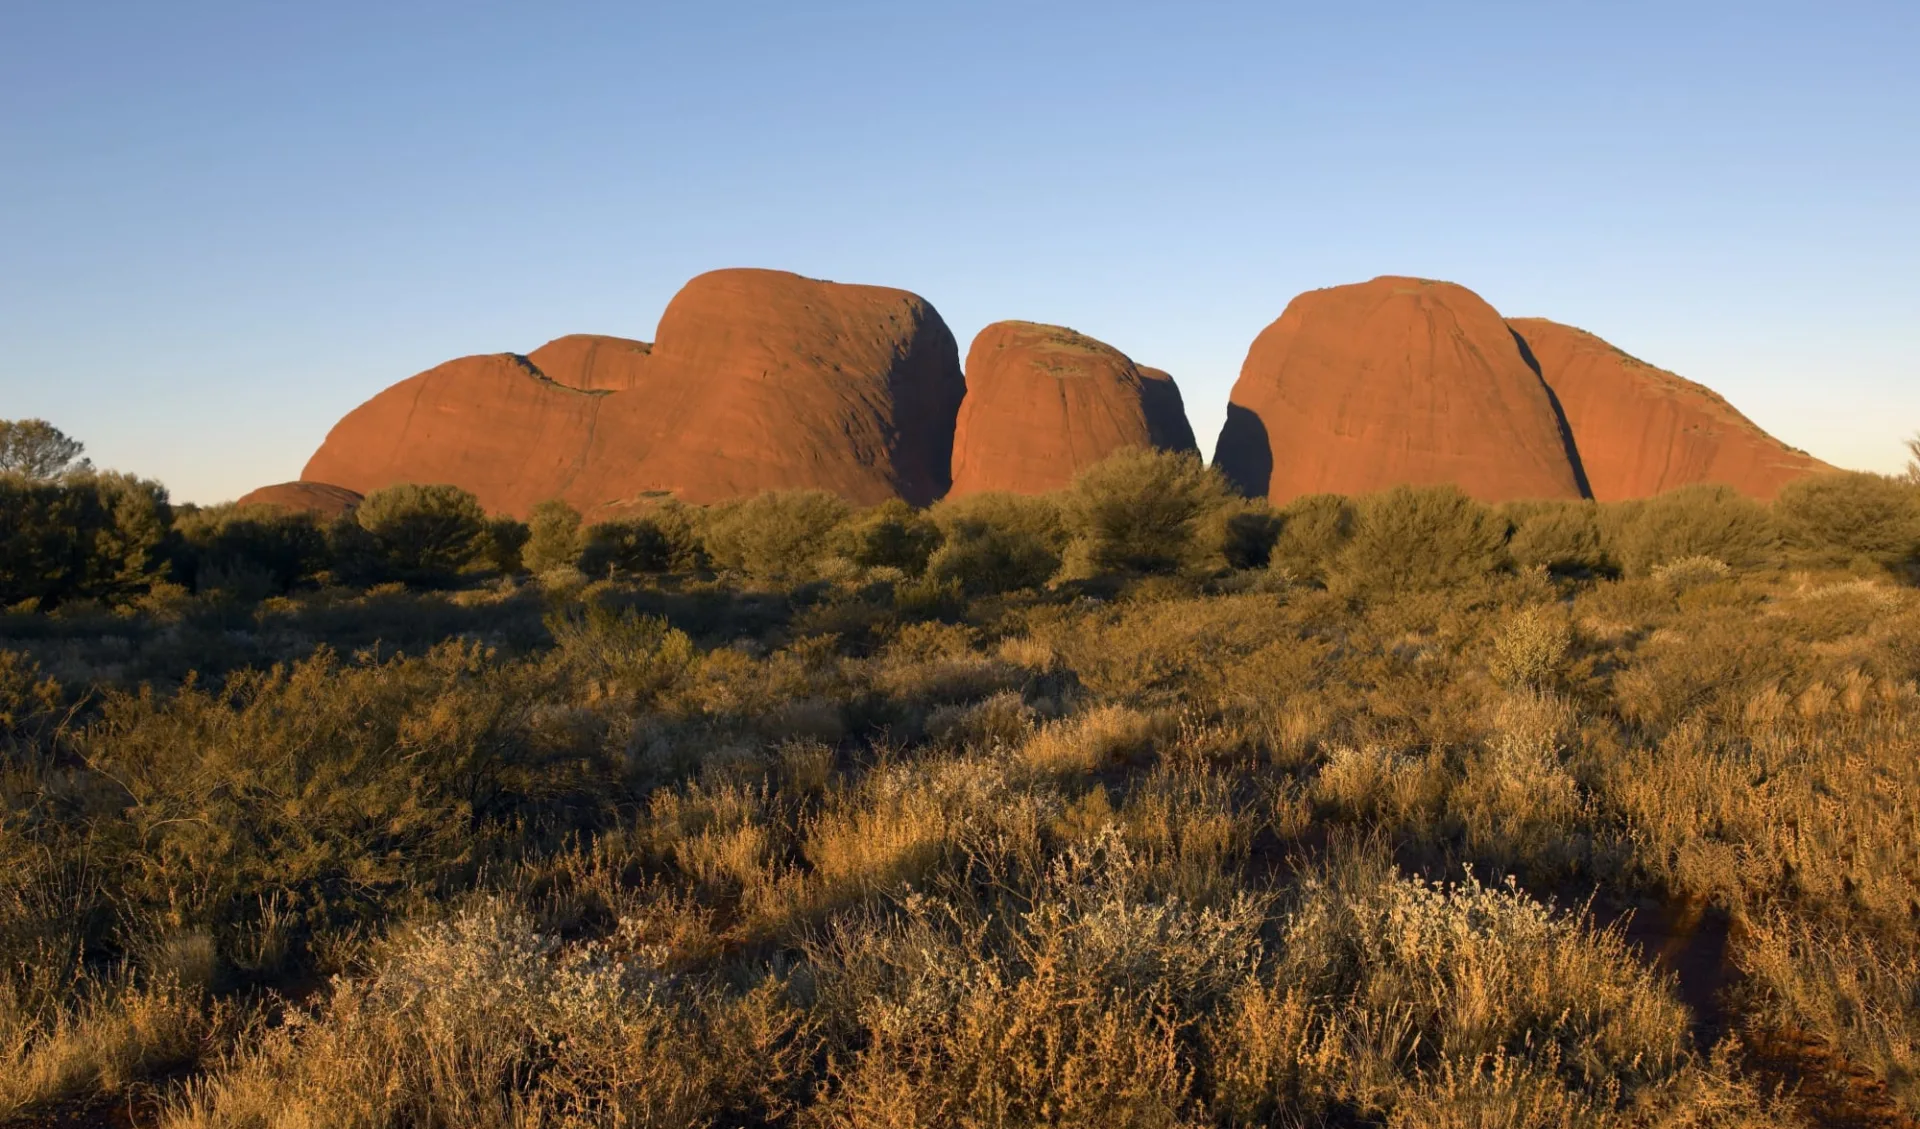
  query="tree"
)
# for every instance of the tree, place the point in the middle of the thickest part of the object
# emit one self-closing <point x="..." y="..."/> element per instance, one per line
<point x="553" y="537"/>
<point x="1913" y="464"/>
<point x="38" y="450"/>
<point x="425" y="534"/>
<point x="1412" y="538"/>
<point x="1139" y="510"/>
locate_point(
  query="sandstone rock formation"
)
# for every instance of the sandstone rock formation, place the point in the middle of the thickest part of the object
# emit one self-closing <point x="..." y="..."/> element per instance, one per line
<point x="1043" y="402"/>
<point x="1399" y="380"/>
<point x="321" y="498"/>
<point x="763" y="380"/>
<point x="759" y="380"/>
<point x="1642" y="430"/>
<point x="493" y="425"/>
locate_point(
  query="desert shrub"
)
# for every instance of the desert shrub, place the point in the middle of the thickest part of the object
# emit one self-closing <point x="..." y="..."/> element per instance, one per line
<point x="1140" y="510"/>
<point x="1694" y="521"/>
<point x="1240" y="534"/>
<point x="1861" y="995"/>
<point x="85" y="536"/>
<point x="503" y="544"/>
<point x="778" y="535"/>
<point x="1530" y="649"/>
<point x="1420" y="537"/>
<point x="890" y="535"/>
<point x="1313" y="530"/>
<point x="483" y="1020"/>
<point x="1444" y="1004"/>
<point x="625" y="546"/>
<point x="423" y="534"/>
<point x="224" y="548"/>
<point x="554" y="539"/>
<point x="1687" y="573"/>
<point x="1848" y="516"/>
<point x="620" y="652"/>
<point x="997" y="542"/>
<point x="681" y="524"/>
<point x="1561" y="537"/>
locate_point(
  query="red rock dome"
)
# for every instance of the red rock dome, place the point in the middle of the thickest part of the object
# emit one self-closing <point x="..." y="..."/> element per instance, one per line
<point x="321" y="498"/>
<point x="1044" y="402"/>
<point x="763" y="380"/>
<point x="1398" y="380"/>
<point x="1642" y="430"/>
<point x="760" y="380"/>
<point x="492" y="425"/>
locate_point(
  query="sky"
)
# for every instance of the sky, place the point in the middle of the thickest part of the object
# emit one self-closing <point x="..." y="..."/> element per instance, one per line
<point x="223" y="225"/>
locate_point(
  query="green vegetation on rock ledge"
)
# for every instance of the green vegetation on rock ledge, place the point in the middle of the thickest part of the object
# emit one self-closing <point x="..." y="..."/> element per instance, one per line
<point x="1137" y="805"/>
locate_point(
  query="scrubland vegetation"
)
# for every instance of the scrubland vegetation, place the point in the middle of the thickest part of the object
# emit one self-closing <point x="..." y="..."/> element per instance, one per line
<point x="1136" y="805"/>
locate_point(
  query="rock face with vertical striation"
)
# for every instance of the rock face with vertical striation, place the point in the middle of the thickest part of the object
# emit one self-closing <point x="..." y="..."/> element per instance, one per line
<point x="320" y="498"/>
<point x="760" y="380"/>
<point x="1395" y="381"/>
<point x="1044" y="402"/>
<point x="1642" y="430"/>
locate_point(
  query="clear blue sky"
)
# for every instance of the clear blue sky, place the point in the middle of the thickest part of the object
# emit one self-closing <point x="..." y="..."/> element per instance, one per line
<point x="222" y="225"/>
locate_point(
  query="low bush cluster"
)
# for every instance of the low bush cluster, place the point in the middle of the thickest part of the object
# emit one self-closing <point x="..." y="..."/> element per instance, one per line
<point x="1134" y="805"/>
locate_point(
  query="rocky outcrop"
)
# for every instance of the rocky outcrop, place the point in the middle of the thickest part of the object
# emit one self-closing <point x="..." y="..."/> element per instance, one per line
<point x="763" y="380"/>
<point x="320" y="498"/>
<point x="1044" y="402"/>
<point x="760" y="380"/>
<point x="1398" y="380"/>
<point x="1642" y="430"/>
<point x="493" y="425"/>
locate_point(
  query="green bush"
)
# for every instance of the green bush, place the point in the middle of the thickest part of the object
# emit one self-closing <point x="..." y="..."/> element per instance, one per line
<point x="1314" y="528"/>
<point x="1421" y="537"/>
<point x="1240" y="535"/>
<point x="778" y="535"/>
<point x="505" y="544"/>
<point x="890" y="535"/>
<point x="554" y="539"/>
<point x="1848" y="516"/>
<point x="1141" y="510"/>
<point x="995" y="542"/>
<point x="626" y="546"/>
<point x="424" y="534"/>
<point x="1562" y="537"/>
<point x="242" y="550"/>
<point x="1693" y="521"/>
<point x="86" y="536"/>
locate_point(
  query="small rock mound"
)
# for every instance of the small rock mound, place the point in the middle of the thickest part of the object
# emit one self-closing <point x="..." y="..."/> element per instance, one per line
<point x="1642" y="430"/>
<point x="320" y="498"/>
<point x="1043" y="402"/>
<point x="1399" y="380"/>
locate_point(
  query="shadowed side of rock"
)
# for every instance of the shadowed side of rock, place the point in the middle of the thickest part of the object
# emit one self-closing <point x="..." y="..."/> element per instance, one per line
<point x="1642" y="430"/>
